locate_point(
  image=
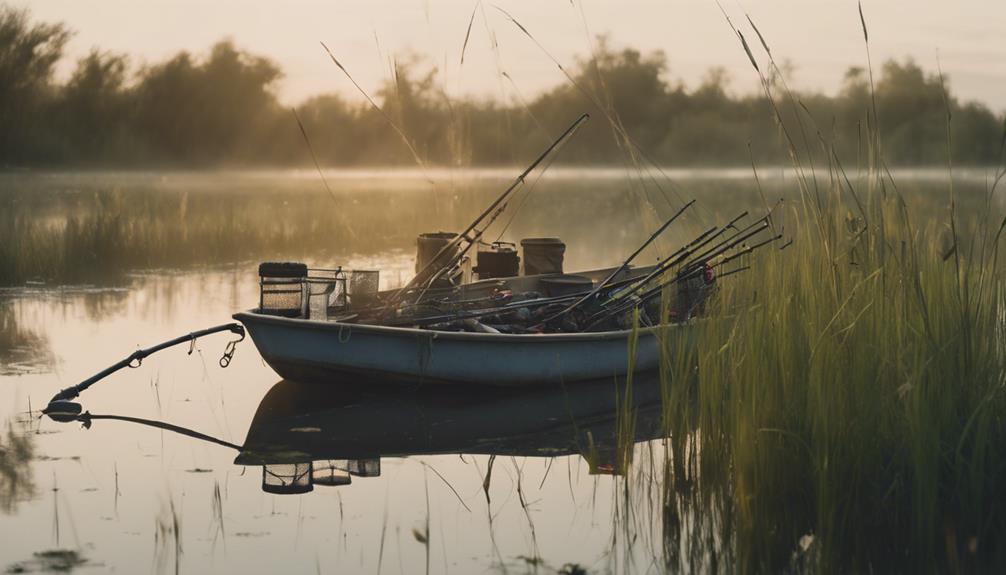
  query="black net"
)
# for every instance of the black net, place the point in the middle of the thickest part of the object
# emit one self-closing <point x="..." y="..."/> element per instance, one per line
<point x="364" y="282"/>
<point x="281" y="288"/>
<point x="282" y="297"/>
<point x="363" y="286"/>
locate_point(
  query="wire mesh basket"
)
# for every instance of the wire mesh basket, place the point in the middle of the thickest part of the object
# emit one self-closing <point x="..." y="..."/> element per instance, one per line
<point x="330" y="472"/>
<point x="287" y="478"/>
<point x="294" y="290"/>
<point x="363" y="287"/>
<point x="364" y="467"/>
<point x="326" y="292"/>
<point x="334" y="292"/>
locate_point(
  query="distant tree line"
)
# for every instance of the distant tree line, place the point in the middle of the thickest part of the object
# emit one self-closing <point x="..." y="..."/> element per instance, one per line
<point x="222" y="109"/>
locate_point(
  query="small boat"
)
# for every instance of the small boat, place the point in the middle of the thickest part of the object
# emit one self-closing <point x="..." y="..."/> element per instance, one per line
<point x="318" y="350"/>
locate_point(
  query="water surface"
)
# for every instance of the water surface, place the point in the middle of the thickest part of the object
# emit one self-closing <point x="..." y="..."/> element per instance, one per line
<point x="133" y="497"/>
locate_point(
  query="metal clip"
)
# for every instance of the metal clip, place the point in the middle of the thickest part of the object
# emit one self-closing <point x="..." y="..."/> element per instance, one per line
<point x="232" y="346"/>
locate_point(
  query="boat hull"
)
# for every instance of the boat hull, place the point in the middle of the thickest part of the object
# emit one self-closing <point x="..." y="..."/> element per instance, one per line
<point x="320" y="351"/>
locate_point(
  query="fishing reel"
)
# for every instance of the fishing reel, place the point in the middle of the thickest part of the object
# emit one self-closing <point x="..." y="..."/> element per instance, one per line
<point x="65" y="411"/>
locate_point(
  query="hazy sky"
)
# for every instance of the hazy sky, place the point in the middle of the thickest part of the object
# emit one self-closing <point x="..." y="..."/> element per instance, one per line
<point x="820" y="37"/>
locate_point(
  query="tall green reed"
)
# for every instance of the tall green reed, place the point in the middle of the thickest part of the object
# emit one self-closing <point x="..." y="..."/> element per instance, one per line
<point x="846" y="393"/>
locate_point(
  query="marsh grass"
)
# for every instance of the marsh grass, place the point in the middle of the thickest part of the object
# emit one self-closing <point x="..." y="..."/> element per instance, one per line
<point x="51" y="561"/>
<point x="841" y="409"/>
<point x="858" y="402"/>
<point x="100" y="236"/>
<point x="22" y="350"/>
<point x="17" y="478"/>
<point x="168" y="537"/>
<point x="80" y="228"/>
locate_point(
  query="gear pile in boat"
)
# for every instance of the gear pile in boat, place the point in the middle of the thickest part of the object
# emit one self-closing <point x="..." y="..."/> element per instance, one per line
<point x="489" y="297"/>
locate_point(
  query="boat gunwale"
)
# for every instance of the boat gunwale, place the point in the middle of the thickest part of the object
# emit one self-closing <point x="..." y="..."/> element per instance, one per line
<point x="337" y="326"/>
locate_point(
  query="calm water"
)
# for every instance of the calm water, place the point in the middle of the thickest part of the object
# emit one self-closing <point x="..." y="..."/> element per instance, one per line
<point x="135" y="498"/>
<point x="105" y="490"/>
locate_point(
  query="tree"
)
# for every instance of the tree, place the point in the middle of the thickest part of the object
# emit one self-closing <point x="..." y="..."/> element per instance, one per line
<point x="93" y="109"/>
<point x="28" y="53"/>
<point x="203" y="113"/>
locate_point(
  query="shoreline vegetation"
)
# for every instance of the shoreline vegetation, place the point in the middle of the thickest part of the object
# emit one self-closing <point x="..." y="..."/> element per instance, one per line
<point x="220" y="109"/>
<point x="842" y="408"/>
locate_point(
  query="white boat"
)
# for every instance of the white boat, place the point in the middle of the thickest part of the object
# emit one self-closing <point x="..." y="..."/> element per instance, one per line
<point x="319" y="350"/>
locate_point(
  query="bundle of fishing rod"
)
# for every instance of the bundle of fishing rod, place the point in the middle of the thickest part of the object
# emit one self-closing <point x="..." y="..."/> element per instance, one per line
<point x="674" y="290"/>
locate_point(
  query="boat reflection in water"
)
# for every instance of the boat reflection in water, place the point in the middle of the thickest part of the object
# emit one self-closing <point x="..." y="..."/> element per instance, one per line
<point x="307" y="435"/>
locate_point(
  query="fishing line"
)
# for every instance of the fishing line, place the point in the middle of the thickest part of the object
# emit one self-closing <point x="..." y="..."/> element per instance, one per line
<point x="317" y="166"/>
<point x="87" y="418"/>
<point x="523" y="102"/>
<point x="468" y="33"/>
<point x="606" y="93"/>
<point x="391" y="122"/>
<point x="614" y="122"/>
<point x="428" y="275"/>
<point x="525" y="196"/>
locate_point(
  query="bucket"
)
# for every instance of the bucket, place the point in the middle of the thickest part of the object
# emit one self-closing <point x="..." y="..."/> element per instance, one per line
<point x="542" y="255"/>
<point x="499" y="261"/>
<point x="429" y="244"/>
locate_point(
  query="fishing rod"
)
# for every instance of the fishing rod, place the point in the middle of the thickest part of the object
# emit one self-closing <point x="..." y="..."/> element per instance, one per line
<point x="622" y="267"/>
<point x="672" y="260"/>
<point x="766" y="218"/>
<point x="659" y="268"/>
<point x="668" y="262"/>
<point x="762" y="225"/>
<point x="433" y="270"/>
<point x="748" y="250"/>
<point x="473" y="241"/>
<point x="718" y="278"/>
<point x="689" y="273"/>
<point x="684" y="275"/>
<point x="508" y="307"/>
<point x="60" y="405"/>
<point x="685" y="251"/>
<point x="86" y="418"/>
